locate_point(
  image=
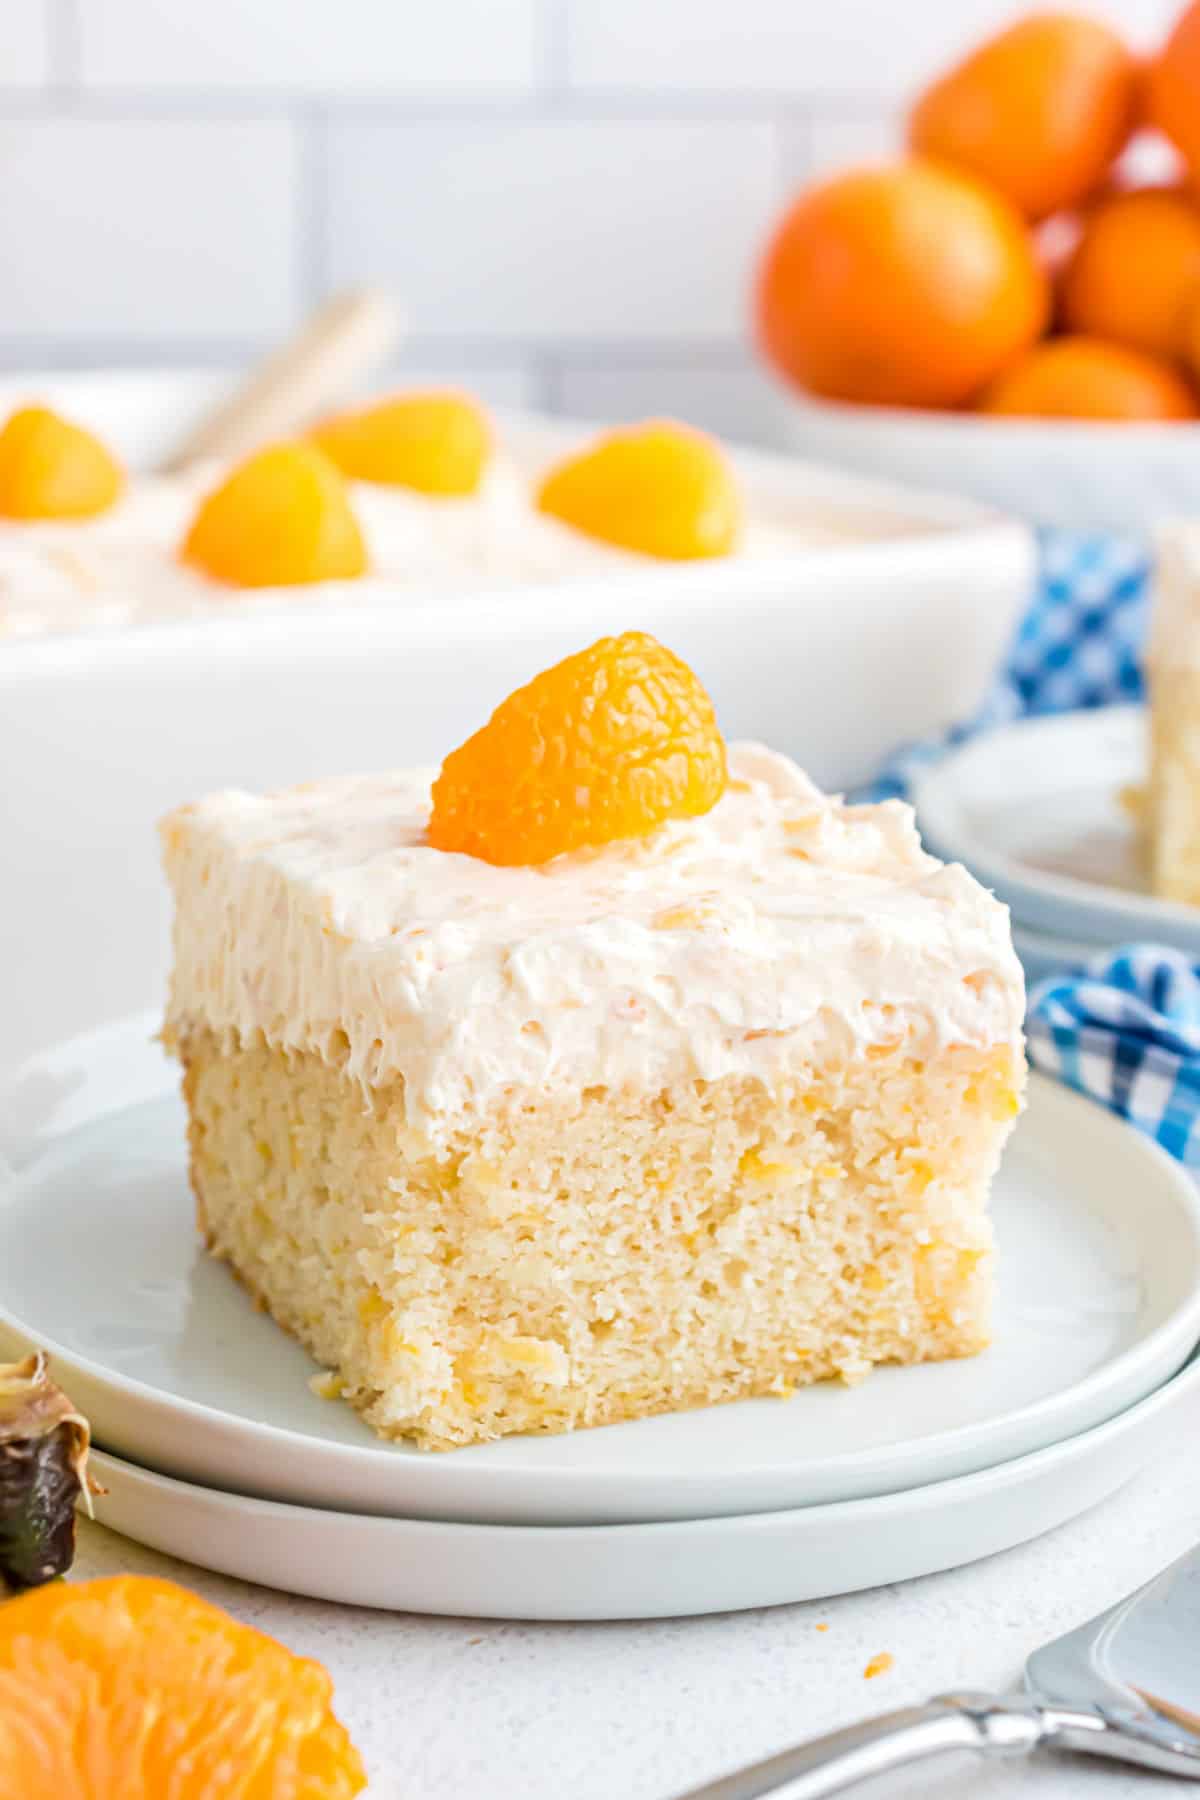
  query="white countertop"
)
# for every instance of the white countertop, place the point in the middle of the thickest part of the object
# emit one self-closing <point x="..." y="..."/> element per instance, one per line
<point x="450" y="1709"/>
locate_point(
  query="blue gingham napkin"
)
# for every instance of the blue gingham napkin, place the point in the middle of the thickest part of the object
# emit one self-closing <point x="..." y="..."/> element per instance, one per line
<point x="1126" y="1030"/>
<point x="1125" y="1027"/>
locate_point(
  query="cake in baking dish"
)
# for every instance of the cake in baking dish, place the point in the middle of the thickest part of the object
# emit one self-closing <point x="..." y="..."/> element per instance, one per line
<point x="1171" y="802"/>
<point x="404" y="501"/>
<point x="606" y="1074"/>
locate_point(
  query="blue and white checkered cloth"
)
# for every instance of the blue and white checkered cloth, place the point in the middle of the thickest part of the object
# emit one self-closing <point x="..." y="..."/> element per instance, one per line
<point x="1125" y="1027"/>
<point x="1126" y="1030"/>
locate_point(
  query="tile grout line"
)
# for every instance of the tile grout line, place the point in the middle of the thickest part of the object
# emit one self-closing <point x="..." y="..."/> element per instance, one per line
<point x="64" y="50"/>
<point x="460" y="106"/>
<point x="626" y="355"/>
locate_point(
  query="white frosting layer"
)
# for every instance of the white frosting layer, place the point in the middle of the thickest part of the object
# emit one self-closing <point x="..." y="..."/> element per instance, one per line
<point x="1175" y="616"/>
<point x="780" y="927"/>
<point x="122" y="568"/>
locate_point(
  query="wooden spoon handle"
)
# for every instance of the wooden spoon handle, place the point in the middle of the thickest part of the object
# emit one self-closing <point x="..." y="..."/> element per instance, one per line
<point x="340" y="342"/>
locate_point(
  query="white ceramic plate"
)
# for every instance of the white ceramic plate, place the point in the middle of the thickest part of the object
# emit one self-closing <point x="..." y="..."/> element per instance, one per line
<point x="640" y="1571"/>
<point x="1099" y="1303"/>
<point x="1034" y="810"/>
<point x="1042" y="954"/>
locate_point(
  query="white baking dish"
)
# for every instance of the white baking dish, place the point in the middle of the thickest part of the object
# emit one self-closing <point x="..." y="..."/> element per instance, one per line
<point x="833" y="654"/>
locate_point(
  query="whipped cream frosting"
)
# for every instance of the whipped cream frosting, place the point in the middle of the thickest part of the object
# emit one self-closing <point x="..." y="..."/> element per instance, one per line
<point x="780" y="927"/>
<point x="122" y="568"/>
<point x="1175" y="615"/>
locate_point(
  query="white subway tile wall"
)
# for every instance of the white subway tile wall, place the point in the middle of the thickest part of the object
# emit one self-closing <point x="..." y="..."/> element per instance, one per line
<point x="25" y="31"/>
<point x="567" y="195"/>
<point x="343" y="49"/>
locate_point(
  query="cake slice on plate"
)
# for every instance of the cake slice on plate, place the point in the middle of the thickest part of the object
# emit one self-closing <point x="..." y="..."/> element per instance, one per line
<point x="1172" y="800"/>
<point x="605" y="1074"/>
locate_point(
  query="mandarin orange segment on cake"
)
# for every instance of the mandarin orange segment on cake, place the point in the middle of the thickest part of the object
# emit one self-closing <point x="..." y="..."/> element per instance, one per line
<point x="703" y="1110"/>
<point x="660" y="489"/>
<point x="52" y="469"/>
<point x="280" y="519"/>
<point x="436" y="443"/>
<point x="131" y="1688"/>
<point x="607" y="744"/>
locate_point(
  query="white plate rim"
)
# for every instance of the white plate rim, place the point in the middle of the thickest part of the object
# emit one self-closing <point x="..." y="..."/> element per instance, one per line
<point x="417" y="1481"/>
<point x="681" y="1567"/>
<point x="1102" y="914"/>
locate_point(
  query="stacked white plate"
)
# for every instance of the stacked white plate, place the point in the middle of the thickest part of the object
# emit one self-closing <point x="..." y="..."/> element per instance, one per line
<point x="215" y="1448"/>
<point x="1040" y="812"/>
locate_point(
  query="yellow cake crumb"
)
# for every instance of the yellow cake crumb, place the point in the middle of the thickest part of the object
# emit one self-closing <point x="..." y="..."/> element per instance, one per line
<point x="529" y="1278"/>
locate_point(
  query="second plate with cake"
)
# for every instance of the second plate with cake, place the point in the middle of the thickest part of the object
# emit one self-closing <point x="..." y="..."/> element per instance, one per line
<point x="1040" y="812"/>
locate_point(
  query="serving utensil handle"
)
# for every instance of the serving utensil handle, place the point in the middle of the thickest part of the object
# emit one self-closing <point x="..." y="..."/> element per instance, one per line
<point x="985" y="1724"/>
<point x="341" y="341"/>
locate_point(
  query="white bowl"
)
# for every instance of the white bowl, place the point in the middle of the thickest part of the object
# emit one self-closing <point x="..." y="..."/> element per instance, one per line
<point x="1081" y="474"/>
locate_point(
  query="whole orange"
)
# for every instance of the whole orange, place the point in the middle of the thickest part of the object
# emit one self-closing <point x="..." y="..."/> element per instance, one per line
<point x="1135" y="270"/>
<point x="907" y="284"/>
<point x="1040" y="111"/>
<point x="1173" y="88"/>
<point x="1085" y="378"/>
<point x="1191" y="339"/>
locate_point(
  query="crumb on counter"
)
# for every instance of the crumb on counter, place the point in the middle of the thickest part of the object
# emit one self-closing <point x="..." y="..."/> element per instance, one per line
<point x="879" y="1665"/>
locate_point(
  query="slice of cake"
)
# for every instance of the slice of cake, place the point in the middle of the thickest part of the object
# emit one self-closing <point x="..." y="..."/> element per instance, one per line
<point x="706" y="1105"/>
<point x="1172" y="799"/>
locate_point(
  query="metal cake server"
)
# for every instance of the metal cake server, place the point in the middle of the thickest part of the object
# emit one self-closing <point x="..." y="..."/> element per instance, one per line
<point x="1125" y="1686"/>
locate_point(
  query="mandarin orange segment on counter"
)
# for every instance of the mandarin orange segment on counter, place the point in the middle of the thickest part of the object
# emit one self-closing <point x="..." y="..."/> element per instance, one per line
<point x="436" y="443"/>
<point x="131" y="1688"/>
<point x="1040" y="111"/>
<point x="52" y="469"/>
<point x="281" y="519"/>
<point x="659" y="488"/>
<point x="607" y="744"/>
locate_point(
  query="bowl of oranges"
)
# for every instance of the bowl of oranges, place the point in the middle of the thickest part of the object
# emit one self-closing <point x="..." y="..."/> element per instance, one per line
<point x="1006" y="309"/>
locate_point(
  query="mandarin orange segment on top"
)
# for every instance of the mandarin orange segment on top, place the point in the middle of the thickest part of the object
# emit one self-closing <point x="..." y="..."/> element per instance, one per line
<point x="1135" y="270"/>
<point x="135" y="1689"/>
<point x="607" y="744"/>
<point x="1040" y="110"/>
<point x="658" y="488"/>
<point x="1085" y="378"/>
<point x="52" y="469"/>
<point x="437" y="443"/>
<point x="281" y="519"/>
<point x="904" y="285"/>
